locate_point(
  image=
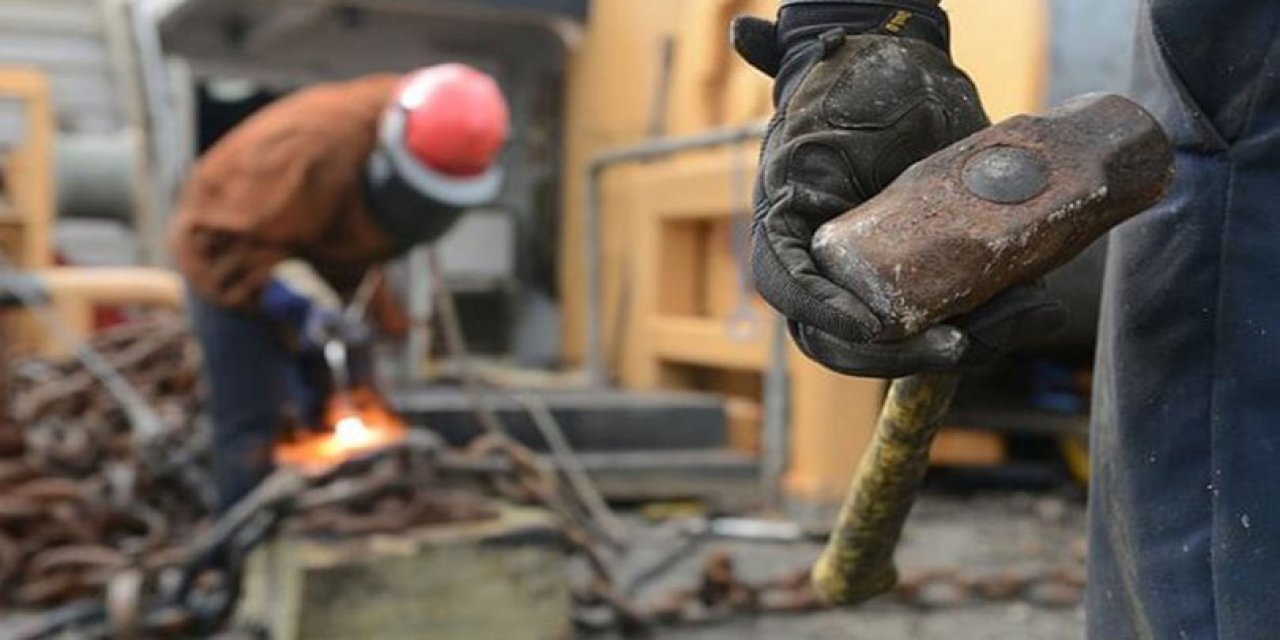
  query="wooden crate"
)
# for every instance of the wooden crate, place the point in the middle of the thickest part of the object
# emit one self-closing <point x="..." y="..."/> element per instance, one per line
<point x="504" y="579"/>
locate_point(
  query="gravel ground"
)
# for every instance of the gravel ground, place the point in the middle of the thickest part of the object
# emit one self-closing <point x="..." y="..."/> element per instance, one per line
<point x="986" y="532"/>
<point x="985" y="623"/>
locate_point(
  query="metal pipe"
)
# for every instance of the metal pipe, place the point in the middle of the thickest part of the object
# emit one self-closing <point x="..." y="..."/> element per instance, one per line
<point x="774" y="443"/>
<point x="596" y="367"/>
<point x="167" y="162"/>
<point x="420" y="304"/>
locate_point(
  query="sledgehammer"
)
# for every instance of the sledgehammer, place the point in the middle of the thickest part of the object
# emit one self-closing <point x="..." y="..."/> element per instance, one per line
<point x="1000" y="208"/>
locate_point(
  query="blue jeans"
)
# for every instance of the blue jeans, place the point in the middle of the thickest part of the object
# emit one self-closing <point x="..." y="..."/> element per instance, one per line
<point x="1185" y="504"/>
<point x="251" y="378"/>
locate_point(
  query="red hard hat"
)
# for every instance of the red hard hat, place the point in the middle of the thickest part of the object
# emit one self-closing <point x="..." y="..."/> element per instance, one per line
<point x="456" y="119"/>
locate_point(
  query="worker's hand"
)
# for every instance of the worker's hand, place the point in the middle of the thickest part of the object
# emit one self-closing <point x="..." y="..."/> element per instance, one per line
<point x="311" y="323"/>
<point x="323" y="325"/>
<point x="862" y="92"/>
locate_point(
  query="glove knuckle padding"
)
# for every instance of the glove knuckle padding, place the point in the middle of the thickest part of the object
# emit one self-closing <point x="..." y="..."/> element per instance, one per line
<point x="859" y="117"/>
<point x="901" y="74"/>
<point x="870" y="109"/>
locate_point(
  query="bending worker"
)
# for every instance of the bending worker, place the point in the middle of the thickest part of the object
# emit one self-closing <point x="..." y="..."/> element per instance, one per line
<point x="319" y="188"/>
<point x="1183" y="507"/>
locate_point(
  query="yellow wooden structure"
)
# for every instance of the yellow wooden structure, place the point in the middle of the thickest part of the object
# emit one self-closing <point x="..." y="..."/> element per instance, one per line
<point x="674" y="314"/>
<point x="27" y="202"/>
<point x="27" y="213"/>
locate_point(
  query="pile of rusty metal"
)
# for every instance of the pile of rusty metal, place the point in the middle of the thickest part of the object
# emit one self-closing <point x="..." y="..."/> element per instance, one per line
<point x="111" y="535"/>
<point x="76" y="504"/>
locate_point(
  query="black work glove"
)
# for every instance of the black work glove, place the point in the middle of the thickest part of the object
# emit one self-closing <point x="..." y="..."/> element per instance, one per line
<point x="863" y="90"/>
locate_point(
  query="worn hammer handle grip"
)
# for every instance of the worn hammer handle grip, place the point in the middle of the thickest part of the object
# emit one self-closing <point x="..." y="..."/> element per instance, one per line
<point x="857" y="563"/>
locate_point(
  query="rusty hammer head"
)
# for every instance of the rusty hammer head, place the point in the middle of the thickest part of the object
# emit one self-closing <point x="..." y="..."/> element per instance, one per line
<point x="1000" y="208"/>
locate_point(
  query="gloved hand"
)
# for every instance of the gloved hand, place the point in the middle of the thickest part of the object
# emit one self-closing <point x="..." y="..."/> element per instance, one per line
<point x="324" y="324"/>
<point x="862" y="91"/>
<point x="311" y="323"/>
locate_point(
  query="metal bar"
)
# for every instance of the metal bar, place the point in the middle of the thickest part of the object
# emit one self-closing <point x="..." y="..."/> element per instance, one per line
<point x="165" y="157"/>
<point x="358" y="308"/>
<point x="579" y="480"/>
<point x="456" y="343"/>
<point x="421" y="306"/>
<point x="774" y="443"/>
<point x="596" y="367"/>
<point x="662" y="89"/>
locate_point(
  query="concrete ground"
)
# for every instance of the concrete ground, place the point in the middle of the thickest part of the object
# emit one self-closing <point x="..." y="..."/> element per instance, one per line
<point x="985" y="623"/>
<point x="987" y="532"/>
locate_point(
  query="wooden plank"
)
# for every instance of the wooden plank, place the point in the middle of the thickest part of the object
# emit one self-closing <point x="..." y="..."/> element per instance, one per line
<point x="638" y="367"/>
<point x="712" y="87"/>
<point x="706" y="342"/>
<point x="76" y="292"/>
<point x="729" y="291"/>
<point x="700" y="184"/>
<point x="617" y="263"/>
<point x="749" y="92"/>
<point x="1004" y="46"/>
<point x="681" y="260"/>
<point x="29" y="167"/>
<point x="610" y="76"/>
<point x="832" y="418"/>
<point x="955" y="447"/>
<point x="701" y="69"/>
<point x="28" y="197"/>
<point x="745" y="418"/>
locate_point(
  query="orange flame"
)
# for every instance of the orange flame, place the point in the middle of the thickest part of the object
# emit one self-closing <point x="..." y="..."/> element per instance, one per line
<point x="358" y="421"/>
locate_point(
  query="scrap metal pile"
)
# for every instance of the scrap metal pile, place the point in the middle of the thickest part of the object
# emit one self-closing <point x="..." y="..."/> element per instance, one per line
<point x="76" y="504"/>
<point x="109" y="535"/>
<point x="112" y="537"/>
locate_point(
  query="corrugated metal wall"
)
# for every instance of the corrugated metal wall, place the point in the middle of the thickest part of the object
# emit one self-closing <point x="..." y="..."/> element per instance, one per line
<point x="67" y="39"/>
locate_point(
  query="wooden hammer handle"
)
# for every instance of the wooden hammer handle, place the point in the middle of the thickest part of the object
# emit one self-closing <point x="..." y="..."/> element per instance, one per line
<point x="857" y="563"/>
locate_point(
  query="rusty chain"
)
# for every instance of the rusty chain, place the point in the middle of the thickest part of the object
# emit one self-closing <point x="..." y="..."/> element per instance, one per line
<point x="75" y="505"/>
<point x="721" y="593"/>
